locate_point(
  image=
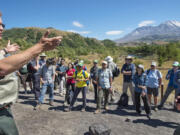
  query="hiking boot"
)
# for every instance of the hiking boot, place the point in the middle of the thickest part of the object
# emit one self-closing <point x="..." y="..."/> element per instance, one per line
<point x="65" y="104"/>
<point x="106" y="108"/>
<point x="83" y="110"/>
<point x="139" y="113"/>
<point x="25" y="92"/>
<point x="68" y="109"/>
<point x="51" y="103"/>
<point x="155" y="109"/>
<point x="112" y="100"/>
<point x="160" y="107"/>
<point x="61" y="94"/>
<point x="149" y="116"/>
<point x="38" y="106"/>
<point x="97" y="111"/>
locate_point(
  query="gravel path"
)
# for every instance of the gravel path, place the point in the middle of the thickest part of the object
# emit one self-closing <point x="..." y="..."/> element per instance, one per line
<point x="54" y="121"/>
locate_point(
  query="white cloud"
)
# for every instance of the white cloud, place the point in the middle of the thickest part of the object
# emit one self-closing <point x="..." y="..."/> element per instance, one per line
<point x="77" y="24"/>
<point x="145" y="23"/>
<point x="114" y="32"/>
<point x="79" y="32"/>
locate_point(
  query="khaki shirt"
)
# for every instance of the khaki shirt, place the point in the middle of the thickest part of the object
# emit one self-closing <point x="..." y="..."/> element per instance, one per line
<point x="8" y="88"/>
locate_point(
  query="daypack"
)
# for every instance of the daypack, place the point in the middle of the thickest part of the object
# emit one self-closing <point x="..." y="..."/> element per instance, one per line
<point x="30" y="68"/>
<point x="116" y="72"/>
<point x="87" y="82"/>
<point x="23" y="70"/>
<point x="123" y="101"/>
<point x="148" y="71"/>
<point x="70" y="96"/>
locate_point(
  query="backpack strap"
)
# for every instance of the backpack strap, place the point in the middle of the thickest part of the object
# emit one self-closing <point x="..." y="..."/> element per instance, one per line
<point x="76" y="74"/>
<point x="148" y="71"/>
<point x="84" y="74"/>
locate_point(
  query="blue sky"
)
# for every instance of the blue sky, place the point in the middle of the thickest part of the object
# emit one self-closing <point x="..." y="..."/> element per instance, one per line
<point x="91" y="18"/>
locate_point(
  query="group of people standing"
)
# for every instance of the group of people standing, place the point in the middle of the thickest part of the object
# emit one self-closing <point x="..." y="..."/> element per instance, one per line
<point x="74" y="78"/>
<point x="144" y="84"/>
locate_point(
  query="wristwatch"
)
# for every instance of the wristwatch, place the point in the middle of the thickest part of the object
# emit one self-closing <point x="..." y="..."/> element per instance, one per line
<point x="5" y="51"/>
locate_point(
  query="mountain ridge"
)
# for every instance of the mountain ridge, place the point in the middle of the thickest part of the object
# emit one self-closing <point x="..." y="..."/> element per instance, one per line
<point x="166" y="31"/>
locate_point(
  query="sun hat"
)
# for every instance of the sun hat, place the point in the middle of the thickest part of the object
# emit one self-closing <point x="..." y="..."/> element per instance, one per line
<point x="141" y="66"/>
<point x="95" y="61"/>
<point x="153" y="63"/>
<point x="129" y="57"/>
<point x="104" y="62"/>
<point x="176" y="64"/>
<point x="109" y="59"/>
<point x="80" y="65"/>
<point x="43" y="55"/>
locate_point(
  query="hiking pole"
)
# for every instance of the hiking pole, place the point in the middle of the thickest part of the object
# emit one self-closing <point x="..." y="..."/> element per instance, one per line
<point x="162" y="91"/>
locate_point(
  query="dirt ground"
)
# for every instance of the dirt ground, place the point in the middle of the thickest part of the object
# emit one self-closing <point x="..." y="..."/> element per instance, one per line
<point x="54" y="121"/>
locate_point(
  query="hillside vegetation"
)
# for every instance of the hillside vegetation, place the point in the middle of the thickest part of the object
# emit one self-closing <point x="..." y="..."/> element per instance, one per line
<point x="73" y="45"/>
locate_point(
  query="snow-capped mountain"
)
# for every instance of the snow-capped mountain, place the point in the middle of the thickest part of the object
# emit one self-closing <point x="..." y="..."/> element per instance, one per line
<point x="167" y="31"/>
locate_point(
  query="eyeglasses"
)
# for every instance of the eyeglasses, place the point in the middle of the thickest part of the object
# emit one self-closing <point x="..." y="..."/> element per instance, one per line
<point x="3" y="25"/>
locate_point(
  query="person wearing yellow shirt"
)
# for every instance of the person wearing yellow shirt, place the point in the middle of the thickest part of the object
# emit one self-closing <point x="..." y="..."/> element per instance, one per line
<point x="81" y="77"/>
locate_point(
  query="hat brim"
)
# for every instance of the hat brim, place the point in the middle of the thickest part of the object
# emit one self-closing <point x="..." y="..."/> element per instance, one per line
<point x="175" y="65"/>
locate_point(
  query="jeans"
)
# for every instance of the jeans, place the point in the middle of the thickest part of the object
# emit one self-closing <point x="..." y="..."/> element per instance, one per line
<point x="138" y="103"/>
<point x="43" y="92"/>
<point x="7" y="123"/>
<point x="76" y="93"/>
<point x="129" y="85"/>
<point x="102" y="92"/>
<point x="36" y="85"/>
<point x="169" y="90"/>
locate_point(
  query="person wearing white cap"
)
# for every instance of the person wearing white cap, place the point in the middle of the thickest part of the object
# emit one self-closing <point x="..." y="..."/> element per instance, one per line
<point x="177" y="82"/>
<point x="112" y="66"/>
<point x="104" y="83"/>
<point x="171" y="86"/>
<point x="154" y="81"/>
<point x="42" y="60"/>
<point x="139" y="80"/>
<point x="128" y="70"/>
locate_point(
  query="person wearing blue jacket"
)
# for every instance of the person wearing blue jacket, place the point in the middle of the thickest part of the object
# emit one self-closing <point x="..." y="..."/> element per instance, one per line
<point x="171" y="86"/>
<point x="140" y="81"/>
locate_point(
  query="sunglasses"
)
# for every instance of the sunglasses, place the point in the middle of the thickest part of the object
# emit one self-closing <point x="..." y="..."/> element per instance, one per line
<point x="3" y="25"/>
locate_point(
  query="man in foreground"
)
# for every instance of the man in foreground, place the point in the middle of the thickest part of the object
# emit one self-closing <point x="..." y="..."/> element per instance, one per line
<point x="8" y="82"/>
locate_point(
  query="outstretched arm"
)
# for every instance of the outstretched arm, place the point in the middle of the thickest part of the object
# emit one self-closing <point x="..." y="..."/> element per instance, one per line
<point x="14" y="62"/>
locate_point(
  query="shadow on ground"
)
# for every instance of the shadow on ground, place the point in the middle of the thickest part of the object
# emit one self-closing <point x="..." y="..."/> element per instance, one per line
<point x="157" y="123"/>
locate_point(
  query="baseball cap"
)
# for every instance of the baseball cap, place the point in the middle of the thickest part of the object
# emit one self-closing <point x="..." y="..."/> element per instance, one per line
<point x="176" y="64"/>
<point x="104" y="62"/>
<point x="153" y="63"/>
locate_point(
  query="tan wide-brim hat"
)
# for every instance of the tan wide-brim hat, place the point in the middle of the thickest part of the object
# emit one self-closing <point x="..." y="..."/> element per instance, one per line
<point x="129" y="58"/>
<point x="43" y="55"/>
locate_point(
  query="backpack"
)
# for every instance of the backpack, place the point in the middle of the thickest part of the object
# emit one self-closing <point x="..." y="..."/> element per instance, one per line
<point x="23" y="70"/>
<point x="70" y="96"/>
<point x="116" y="72"/>
<point x="148" y="71"/>
<point x="87" y="82"/>
<point x="123" y="101"/>
<point x="30" y="68"/>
